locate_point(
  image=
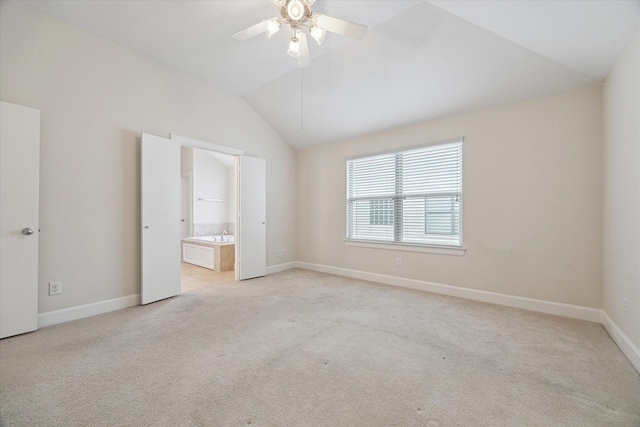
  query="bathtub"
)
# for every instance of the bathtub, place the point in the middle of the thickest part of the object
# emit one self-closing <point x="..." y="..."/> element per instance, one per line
<point x="212" y="252"/>
<point x="220" y="239"/>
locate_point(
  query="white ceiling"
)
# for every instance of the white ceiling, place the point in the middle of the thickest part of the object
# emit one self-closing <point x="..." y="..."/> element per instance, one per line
<point x="420" y="60"/>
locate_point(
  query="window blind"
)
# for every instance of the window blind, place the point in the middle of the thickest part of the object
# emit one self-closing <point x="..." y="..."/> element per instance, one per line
<point x="411" y="197"/>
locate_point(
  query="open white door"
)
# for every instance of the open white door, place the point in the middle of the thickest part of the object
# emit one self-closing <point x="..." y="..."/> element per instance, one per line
<point x="160" y="182"/>
<point x="19" y="218"/>
<point x="251" y="237"/>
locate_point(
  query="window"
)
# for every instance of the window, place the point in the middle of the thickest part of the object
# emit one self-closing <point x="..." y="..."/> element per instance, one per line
<point x="410" y="197"/>
<point x="381" y="212"/>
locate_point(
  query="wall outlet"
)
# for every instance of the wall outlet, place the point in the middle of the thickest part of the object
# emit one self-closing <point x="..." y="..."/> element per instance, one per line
<point x="625" y="305"/>
<point x="277" y="252"/>
<point x="398" y="262"/>
<point x="55" y="288"/>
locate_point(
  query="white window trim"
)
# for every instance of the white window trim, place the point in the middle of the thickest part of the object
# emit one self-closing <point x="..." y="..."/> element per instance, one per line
<point x="407" y="247"/>
<point x="401" y="246"/>
<point x="408" y="148"/>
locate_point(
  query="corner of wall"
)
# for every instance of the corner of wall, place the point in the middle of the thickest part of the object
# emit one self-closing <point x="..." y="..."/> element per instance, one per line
<point x="621" y="202"/>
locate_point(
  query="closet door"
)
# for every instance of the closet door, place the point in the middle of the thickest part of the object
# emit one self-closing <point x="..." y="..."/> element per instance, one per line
<point x="19" y="218"/>
<point x="160" y="182"/>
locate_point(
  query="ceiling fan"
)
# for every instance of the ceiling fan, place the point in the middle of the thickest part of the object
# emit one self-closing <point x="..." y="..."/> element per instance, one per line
<point x="299" y="16"/>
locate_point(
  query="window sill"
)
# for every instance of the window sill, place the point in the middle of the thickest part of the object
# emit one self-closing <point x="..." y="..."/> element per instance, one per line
<point x="406" y="247"/>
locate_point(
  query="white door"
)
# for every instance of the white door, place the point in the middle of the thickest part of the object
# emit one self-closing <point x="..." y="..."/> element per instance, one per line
<point x="251" y="242"/>
<point x="160" y="182"/>
<point x="19" y="218"/>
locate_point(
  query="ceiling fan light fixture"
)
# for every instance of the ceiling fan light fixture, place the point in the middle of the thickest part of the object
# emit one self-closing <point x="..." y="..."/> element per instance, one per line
<point x="308" y="2"/>
<point x="318" y="33"/>
<point x="294" y="47"/>
<point x="295" y="10"/>
<point x="279" y="3"/>
<point x="273" y="26"/>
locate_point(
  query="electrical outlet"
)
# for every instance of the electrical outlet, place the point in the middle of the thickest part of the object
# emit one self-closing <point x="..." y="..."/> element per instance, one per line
<point x="625" y="305"/>
<point x="55" y="288"/>
<point x="398" y="262"/>
<point x="277" y="252"/>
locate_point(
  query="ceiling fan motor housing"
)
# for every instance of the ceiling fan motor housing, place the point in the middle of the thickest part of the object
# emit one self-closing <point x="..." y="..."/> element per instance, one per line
<point x="296" y="11"/>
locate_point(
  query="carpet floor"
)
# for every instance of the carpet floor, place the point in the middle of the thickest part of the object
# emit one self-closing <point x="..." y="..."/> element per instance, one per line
<point x="301" y="348"/>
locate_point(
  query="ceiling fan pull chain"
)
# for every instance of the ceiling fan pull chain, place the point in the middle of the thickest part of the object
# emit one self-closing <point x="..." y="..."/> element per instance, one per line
<point x="301" y="101"/>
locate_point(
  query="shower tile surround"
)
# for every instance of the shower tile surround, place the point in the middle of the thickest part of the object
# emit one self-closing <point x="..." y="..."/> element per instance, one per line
<point x="213" y="228"/>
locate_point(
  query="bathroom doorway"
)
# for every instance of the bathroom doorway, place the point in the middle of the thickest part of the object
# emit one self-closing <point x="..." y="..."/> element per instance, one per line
<point x="160" y="171"/>
<point x="209" y="213"/>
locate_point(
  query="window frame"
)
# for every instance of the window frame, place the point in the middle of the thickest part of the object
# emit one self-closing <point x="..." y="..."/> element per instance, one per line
<point x="397" y="244"/>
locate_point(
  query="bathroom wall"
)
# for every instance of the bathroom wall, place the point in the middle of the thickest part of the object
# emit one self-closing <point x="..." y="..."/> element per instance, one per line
<point x="186" y="174"/>
<point x="186" y="160"/>
<point x="232" y="206"/>
<point x="210" y="181"/>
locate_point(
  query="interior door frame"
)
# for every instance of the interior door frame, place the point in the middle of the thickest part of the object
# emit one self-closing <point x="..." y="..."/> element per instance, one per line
<point x="189" y="219"/>
<point x="208" y="146"/>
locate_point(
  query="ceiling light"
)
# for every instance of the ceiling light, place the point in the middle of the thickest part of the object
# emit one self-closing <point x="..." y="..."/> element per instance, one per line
<point x="299" y="16"/>
<point x="317" y="33"/>
<point x="294" y="47"/>
<point x="295" y="9"/>
<point x="273" y="26"/>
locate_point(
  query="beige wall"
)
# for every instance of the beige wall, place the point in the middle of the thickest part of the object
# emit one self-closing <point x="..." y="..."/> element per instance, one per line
<point x="621" y="250"/>
<point x="532" y="201"/>
<point x="96" y="98"/>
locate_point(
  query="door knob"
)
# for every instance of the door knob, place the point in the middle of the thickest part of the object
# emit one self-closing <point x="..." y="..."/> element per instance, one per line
<point x="27" y="231"/>
<point x="146" y="227"/>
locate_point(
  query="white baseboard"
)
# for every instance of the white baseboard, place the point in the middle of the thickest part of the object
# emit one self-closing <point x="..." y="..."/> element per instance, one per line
<point x="628" y="348"/>
<point x="74" y="313"/>
<point x="281" y="267"/>
<point x="542" y="306"/>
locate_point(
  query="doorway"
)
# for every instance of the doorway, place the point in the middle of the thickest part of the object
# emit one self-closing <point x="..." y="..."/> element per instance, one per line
<point x="160" y="172"/>
<point x="209" y="213"/>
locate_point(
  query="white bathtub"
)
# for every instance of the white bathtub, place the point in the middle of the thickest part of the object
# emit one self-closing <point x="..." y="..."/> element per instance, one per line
<point x="215" y="239"/>
<point x="212" y="252"/>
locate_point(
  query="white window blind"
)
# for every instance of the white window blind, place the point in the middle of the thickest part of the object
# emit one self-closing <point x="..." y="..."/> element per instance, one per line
<point x="411" y="197"/>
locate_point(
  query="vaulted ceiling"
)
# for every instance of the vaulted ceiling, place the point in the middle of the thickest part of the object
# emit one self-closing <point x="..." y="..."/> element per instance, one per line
<point x="420" y="60"/>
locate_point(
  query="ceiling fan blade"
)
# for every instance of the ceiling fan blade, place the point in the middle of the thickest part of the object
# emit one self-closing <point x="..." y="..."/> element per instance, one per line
<point x="304" y="59"/>
<point x="340" y="26"/>
<point x="252" y="31"/>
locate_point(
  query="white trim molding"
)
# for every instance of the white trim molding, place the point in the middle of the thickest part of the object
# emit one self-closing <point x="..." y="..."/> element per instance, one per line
<point x="541" y="306"/>
<point x="628" y="348"/>
<point x="50" y="318"/>
<point x="281" y="267"/>
<point x="190" y="142"/>
<point x="405" y="247"/>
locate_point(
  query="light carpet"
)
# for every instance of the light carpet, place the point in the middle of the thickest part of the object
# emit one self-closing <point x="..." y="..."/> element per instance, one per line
<point x="301" y="348"/>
